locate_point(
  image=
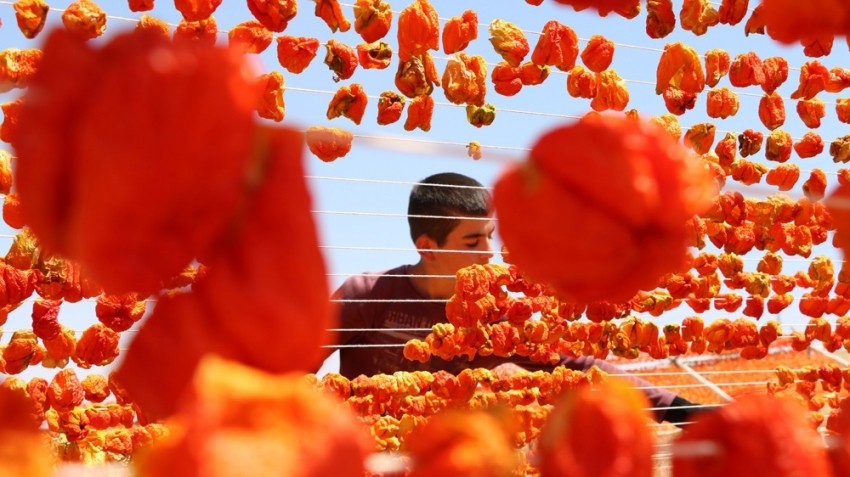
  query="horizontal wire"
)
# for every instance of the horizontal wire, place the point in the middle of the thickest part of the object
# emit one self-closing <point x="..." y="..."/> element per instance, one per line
<point x="392" y="181"/>
<point x="397" y="215"/>
<point x="700" y="385"/>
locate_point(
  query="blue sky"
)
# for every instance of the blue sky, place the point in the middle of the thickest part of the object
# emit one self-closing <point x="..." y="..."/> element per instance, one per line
<point x="360" y="200"/>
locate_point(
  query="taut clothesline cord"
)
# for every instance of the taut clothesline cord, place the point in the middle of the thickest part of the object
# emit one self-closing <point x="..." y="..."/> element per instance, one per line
<point x="397" y="182"/>
<point x="701" y="385"/>
<point x="391" y="214"/>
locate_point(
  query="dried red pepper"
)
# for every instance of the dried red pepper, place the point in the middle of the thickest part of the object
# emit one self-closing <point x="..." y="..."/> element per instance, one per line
<point x="717" y="65"/>
<point x="746" y="69"/>
<point x="372" y="19"/>
<point x="721" y="103"/>
<point x="418" y="30"/>
<point x="348" y="101"/>
<point x="611" y="92"/>
<point x="842" y="109"/>
<point x="196" y="10"/>
<point x="775" y="73"/>
<point x="459" y="31"/>
<point x="810" y="145"/>
<point x="755" y="24"/>
<point x="31" y="15"/>
<point x="700" y="137"/>
<point x="270" y="103"/>
<point x="772" y="110"/>
<point x="680" y="66"/>
<point x="817" y="46"/>
<point x="581" y="83"/>
<point x="374" y="55"/>
<point x="839" y="80"/>
<point x="330" y="12"/>
<point x="9" y="128"/>
<point x="419" y="113"/>
<point x="140" y="5"/>
<point x="508" y="41"/>
<point x="839" y="149"/>
<point x="669" y="123"/>
<point x="747" y="172"/>
<point x="778" y="146"/>
<point x="533" y="74"/>
<point x="416" y="76"/>
<point x="13" y="213"/>
<point x="598" y="53"/>
<point x="815" y="186"/>
<point x="678" y="101"/>
<point x="660" y="18"/>
<point x="296" y="52"/>
<point x="507" y="80"/>
<point x="201" y="31"/>
<point x="250" y="36"/>
<point x="45" y="319"/>
<point x="84" y="18"/>
<point x="749" y="142"/>
<point x="788" y="21"/>
<point x="20" y="352"/>
<point x="479" y="116"/>
<point x="698" y="16"/>
<point x="726" y="149"/>
<point x="341" y="59"/>
<point x="465" y="79"/>
<point x="784" y="176"/>
<point x="156" y="25"/>
<point x="17" y="67"/>
<point x="731" y="12"/>
<point x="124" y="79"/>
<point x="811" y="111"/>
<point x="328" y="144"/>
<point x="557" y="46"/>
<point x="65" y="391"/>
<point x="624" y="8"/>
<point x="390" y="107"/>
<point x="814" y="77"/>
<point x="167" y="349"/>
<point x="596" y="139"/>
<point x="274" y="15"/>
<point x="473" y="150"/>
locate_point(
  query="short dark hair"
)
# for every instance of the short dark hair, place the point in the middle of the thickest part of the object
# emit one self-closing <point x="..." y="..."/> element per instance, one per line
<point x="447" y="194"/>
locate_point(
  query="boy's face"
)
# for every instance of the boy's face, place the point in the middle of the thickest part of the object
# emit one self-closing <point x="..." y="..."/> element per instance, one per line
<point x="472" y="238"/>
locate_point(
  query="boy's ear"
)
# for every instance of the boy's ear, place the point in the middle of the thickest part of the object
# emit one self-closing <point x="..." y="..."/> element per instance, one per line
<point x="424" y="244"/>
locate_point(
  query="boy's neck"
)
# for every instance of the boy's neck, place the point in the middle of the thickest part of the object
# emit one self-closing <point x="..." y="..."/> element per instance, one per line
<point x="430" y="287"/>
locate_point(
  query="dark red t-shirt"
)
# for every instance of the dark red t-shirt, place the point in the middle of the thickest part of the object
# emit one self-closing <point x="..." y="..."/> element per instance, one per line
<point x="384" y="311"/>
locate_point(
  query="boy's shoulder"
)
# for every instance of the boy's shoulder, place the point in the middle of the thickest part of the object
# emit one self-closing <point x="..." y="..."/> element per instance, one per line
<point x="376" y="284"/>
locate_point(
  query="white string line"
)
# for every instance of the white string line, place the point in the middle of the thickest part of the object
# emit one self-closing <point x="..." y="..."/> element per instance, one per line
<point x="382" y="330"/>
<point x="496" y="252"/>
<point x="398" y="215"/>
<point x="701" y="385"/>
<point x="397" y="182"/>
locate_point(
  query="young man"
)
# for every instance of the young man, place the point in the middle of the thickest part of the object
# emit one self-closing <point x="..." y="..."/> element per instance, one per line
<point x="452" y="226"/>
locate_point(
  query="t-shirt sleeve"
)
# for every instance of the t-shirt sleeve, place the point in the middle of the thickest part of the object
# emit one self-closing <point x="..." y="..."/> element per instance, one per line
<point x="352" y="315"/>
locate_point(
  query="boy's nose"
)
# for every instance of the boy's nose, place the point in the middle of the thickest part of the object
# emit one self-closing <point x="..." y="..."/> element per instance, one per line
<point x="487" y="251"/>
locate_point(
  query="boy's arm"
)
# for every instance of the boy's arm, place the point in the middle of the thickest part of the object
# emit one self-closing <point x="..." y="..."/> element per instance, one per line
<point x="349" y="315"/>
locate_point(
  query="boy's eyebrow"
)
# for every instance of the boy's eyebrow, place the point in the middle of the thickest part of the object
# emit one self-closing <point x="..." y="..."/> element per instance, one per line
<point x="475" y="235"/>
